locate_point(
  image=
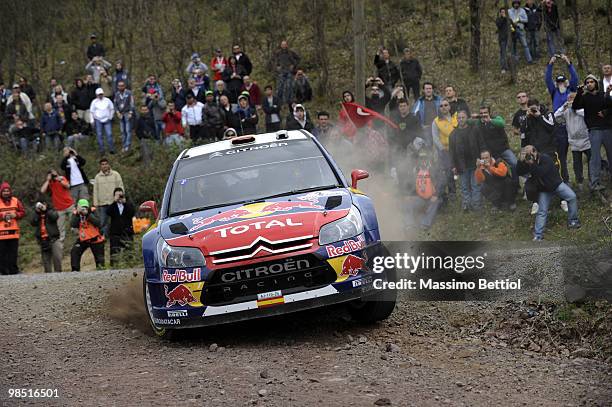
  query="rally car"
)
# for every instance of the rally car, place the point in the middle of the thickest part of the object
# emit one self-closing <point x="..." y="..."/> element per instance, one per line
<point x="256" y="226"/>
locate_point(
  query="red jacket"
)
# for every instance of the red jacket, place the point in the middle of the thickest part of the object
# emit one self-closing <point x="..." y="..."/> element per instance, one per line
<point x="217" y="71"/>
<point x="254" y="94"/>
<point x="173" y="123"/>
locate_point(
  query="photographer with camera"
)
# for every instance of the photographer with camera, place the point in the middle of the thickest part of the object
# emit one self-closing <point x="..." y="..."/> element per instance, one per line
<point x="73" y="166"/>
<point x="11" y="210"/>
<point x="378" y="96"/>
<point x="496" y="183"/>
<point x="544" y="176"/>
<point x="59" y="188"/>
<point x="90" y="237"/>
<point x="45" y="222"/>
<point x="121" y="231"/>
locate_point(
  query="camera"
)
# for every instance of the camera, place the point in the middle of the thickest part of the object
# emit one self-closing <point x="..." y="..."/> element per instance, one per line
<point x="533" y="109"/>
<point x="557" y="55"/>
<point x="529" y="157"/>
<point x="39" y="206"/>
<point x="481" y="162"/>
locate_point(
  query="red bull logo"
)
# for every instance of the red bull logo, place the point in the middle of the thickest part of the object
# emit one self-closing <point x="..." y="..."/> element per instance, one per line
<point x="348" y="246"/>
<point x="251" y="211"/>
<point x="180" y="295"/>
<point x="351" y="265"/>
<point x="180" y="276"/>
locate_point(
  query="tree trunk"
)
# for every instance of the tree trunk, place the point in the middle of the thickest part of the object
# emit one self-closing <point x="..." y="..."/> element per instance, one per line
<point x="475" y="35"/>
<point x="456" y="18"/>
<point x="573" y="7"/>
<point x="379" y="23"/>
<point x="359" y="49"/>
<point x="319" y="7"/>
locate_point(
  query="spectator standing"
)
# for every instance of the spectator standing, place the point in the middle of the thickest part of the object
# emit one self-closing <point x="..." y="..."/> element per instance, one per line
<point x="195" y="64"/>
<point x="323" y="128"/>
<point x="441" y="129"/>
<point x="90" y="236"/>
<point x="534" y="23"/>
<point x="520" y="115"/>
<point x="121" y="75"/>
<point x="597" y="106"/>
<point x="272" y="110"/>
<point x="213" y="119"/>
<point x="80" y="98"/>
<point x="411" y="72"/>
<point x="243" y="59"/>
<point x="299" y="120"/>
<point x="47" y="234"/>
<point x="173" y="129"/>
<point x="157" y="107"/>
<point x="303" y="90"/>
<point x="27" y="89"/>
<point x="96" y="67"/>
<point x="51" y="126"/>
<point x="178" y="95"/>
<point x="102" y="112"/>
<point x="408" y="130"/>
<point x="18" y="96"/>
<point x="198" y="93"/>
<point x="496" y="184"/>
<point x="503" y="32"/>
<point x="59" y="188"/>
<point x="106" y="181"/>
<point x="192" y="116"/>
<point x="72" y="164"/>
<point x="124" y="108"/>
<point x="552" y="26"/>
<point x="121" y="231"/>
<point x="456" y="104"/>
<point x="232" y="76"/>
<point x="254" y="91"/>
<point x="145" y="131"/>
<point x="231" y="117"/>
<point x="464" y="150"/>
<point x="63" y="109"/>
<point x="518" y="19"/>
<point x="151" y="83"/>
<point x="578" y="136"/>
<point x="95" y="49"/>
<point x="247" y="116"/>
<point x="286" y="62"/>
<point x="218" y="64"/>
<point x="606" y="78"/>
<point x="426" y="108"/>
<point x="386" y="68"/>
<point x="546" y="175"/>
<point x="218" y="92"/>
<point x="378" y="96"/>
<point x="11" y="211"/>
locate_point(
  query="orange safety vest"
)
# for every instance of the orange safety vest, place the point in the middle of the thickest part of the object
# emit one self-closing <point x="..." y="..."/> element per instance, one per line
<point x="424" y="186"/>
<point x="10" y="229"/>
<point x="88" y="232"/>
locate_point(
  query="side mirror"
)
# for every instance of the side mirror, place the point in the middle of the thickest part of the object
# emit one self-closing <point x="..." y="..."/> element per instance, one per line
<point x="149" y="206"/>
<point x="356" y="175"/>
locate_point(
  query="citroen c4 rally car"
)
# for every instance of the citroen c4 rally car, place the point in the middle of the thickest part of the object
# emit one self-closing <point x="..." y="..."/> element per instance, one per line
<point x="257" y="226"/>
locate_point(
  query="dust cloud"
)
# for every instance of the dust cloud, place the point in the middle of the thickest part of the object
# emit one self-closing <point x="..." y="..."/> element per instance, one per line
<point x="126" y="304"/>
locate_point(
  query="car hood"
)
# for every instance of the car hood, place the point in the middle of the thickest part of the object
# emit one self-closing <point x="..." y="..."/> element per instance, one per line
<point x="275" y="224"/>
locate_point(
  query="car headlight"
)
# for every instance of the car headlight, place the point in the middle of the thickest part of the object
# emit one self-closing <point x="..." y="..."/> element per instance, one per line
<point x="349" y="226"/>
<point x="178" y="257"/>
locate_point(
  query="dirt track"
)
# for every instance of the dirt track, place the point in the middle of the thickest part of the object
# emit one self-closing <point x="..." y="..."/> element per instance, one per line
<point x="85" y="335"/>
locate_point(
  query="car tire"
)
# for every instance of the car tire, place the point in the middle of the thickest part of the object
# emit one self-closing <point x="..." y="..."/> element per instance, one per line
<point x="164" y="333"/>
<point x="375" y="307"/>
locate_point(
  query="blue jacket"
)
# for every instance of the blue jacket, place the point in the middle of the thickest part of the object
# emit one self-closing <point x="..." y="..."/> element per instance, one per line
<point x="418" y="108"/>
<point x="51" y="122"/>
<point x="558" y="98"/>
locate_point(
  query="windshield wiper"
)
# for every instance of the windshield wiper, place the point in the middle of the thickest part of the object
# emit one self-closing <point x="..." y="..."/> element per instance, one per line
<point x="296" y="191"/>
<point x="203" y="208"/>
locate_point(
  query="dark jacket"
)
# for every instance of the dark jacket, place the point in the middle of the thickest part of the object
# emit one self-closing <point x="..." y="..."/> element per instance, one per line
<point x="121" y="224"/>
<point x="75" y="127"/>
<point x="269" y="109"/>
<point x="95" y="50"/>
<point x="50" y="122"/>
<point x="411" y="70"/>
<point x="494" y="138"/>
<point x="50" y="223"/>
<point x="388" y="72"/>
<point x="213" y="116"/>
<point x="409" y="129"/>
<point x="534" y="18"/>
<point x="302" y="91"/>
<point x="593" y="103"/>
<point x="233" y="85"/>
<point x="80" y="163"/>
<point x="503" y="28"/>
<point x="245" y="62"/>
<point x="145" y="126"/>
<point x="217" y="96"/>
<point x="538" y="132"/>
<point x="544" y="172"/>
<point x="552" y="21"/>
<point x="178" y="98"/>
<point x="459" y="105"/>
<point x="80" y="98"/>
<point x="378" y="103"/>
<point x="464" y="146"/>
<point x="248" y="121"/>
<point x="285" y="60"/>
<point x="231" y="119"/>
<point x="293" y="124"/>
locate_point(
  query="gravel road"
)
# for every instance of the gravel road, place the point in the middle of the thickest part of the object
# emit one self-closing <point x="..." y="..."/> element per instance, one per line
<point x="84" y="334"/>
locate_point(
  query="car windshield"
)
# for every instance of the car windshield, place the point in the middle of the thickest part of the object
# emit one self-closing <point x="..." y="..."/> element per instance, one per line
<point x="249" y="173"/>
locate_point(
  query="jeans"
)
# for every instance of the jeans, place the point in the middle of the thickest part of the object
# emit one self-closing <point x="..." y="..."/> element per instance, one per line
<point x="597" y="138"/>
<point x="511" y="159"/>
<point x="564" y="192"/>
<point x="470" y="190"/>
<point x="560" y="133"/>
<point x="159" y="130"/>
<point x="63" y="219"/>
<point x="52" y="258"/>
<point x="108" y="129"/>
<point x="125" y="124"/>
<point x="444" y="161"/>
<point x="532" y="40"/>
<point x="145" y="151"/>
<point x="414" y="86"/>
<point x="53" y="139"/>
<point x="72" y="139"/>
<point x="577" y="159"/>
<point x="413" y="210"/>
<point x="103" y="217"/>
<point x="519" y="35"/>
<point x="174" y="138"/>
<point x="503" y="54"/>
<point x="553" y="37"/>
<point x="79" y="192"/>
<point x="284" y="87"/>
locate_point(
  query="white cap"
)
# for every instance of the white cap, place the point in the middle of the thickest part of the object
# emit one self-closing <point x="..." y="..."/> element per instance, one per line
<point x="99" y="91"/>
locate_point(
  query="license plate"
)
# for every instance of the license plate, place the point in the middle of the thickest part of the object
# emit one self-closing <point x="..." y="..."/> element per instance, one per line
<point x="268" y="295"/>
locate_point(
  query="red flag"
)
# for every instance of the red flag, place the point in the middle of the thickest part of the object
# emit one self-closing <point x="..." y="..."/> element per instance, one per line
<point x="361" y="116"/>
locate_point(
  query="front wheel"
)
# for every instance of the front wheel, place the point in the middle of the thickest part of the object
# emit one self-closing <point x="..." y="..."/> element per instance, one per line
<point x="373" y="308"/>
<point x="165" y="333"/>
